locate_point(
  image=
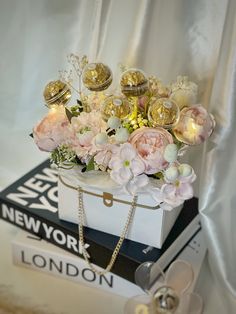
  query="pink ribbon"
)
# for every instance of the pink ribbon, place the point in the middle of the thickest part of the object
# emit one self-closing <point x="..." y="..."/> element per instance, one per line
<point x="169" y="294"/>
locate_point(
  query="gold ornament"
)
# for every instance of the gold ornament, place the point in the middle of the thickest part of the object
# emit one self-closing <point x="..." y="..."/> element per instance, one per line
<point x="163" y="112"/>
<point x="116" y="106"/>
<point x="97" y="76"/>
<point x="56" y="93"/>
<point x="133" y="82"/>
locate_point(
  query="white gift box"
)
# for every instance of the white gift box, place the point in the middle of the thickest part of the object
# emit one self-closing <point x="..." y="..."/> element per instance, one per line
<point x="106" y="207"/>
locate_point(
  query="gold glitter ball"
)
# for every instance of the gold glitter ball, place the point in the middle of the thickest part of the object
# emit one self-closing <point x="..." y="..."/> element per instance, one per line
<point x="56" y="93"/>
<point x="133" y="82"/>
<point x="116" y="106"/>
<point x="97" y="77"/>
<point x="163" y="112"/>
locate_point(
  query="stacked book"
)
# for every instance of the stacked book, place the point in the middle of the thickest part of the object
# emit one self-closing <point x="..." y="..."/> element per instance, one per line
<point x="31" y="204"/>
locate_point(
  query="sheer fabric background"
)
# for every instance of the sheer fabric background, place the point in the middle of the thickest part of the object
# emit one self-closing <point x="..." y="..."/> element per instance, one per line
<point x="164" y="38"/>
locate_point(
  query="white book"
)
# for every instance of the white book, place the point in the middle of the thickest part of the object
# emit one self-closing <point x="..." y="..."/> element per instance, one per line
<point x="34" y="253"/>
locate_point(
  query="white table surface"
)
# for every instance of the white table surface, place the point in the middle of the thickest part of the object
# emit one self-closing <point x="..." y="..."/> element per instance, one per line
<point x="51" y="294"/>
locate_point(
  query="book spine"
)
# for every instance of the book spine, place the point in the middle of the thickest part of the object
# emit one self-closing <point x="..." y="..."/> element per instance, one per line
<point x="64" y="238"/>
<point x="67" y="266"/>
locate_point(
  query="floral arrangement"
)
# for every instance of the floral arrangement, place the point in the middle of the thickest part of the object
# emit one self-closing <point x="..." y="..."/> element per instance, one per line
<point x="137" y="134"/>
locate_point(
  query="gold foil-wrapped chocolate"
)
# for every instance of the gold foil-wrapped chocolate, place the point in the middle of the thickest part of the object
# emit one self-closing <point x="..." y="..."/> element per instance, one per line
<point x="116" y="106"/>
<point x="56" y="93"/>
<point x="133" y="82"/>
<point x="97" y="77"/>
<point x="163" y="112"/>
<point x="195" y="125"/>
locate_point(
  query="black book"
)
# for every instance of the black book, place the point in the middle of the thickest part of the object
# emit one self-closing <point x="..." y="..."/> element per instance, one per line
<point x="31" y="204"/>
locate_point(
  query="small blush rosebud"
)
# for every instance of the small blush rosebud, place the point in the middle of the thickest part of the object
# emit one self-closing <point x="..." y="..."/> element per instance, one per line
<point x="113" y="122"/>
<point x="171" y="174"/>
<point x="185" y="170"/>
<point x="101" y="138"/>
<point x="122" y="135"/>
<point x="171" y="152"/>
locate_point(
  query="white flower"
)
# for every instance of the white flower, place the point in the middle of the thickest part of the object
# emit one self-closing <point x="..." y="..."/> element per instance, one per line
<point x="174" y="192"/>
<point x="125" y="164"/>
<point x="137" y="184"/>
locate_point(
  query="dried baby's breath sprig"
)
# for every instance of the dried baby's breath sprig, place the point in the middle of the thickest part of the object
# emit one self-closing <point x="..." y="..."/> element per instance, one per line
<point x="66" y="77"/>
<point x="157" y="88"/>
<point x="78" y="63"/>
<point x="122" y="67"/>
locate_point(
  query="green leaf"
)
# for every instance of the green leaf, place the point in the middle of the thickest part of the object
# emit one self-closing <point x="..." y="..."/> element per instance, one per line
<point x="83" y="169"/>
<point x="68" y="114"/>
<point x="158" y="175"/>
<point x="79" y="102"/>
<point x="90" y="166"/>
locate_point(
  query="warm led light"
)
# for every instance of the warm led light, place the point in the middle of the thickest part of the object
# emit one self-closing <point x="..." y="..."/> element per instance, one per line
<point x="195" y="125"/>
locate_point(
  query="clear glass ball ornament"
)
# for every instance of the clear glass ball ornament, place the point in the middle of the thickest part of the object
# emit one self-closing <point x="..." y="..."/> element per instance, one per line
<point x="116" y="106"/>
<point x="133" y="82"/>
<point x="56" y="93"/>
<point x="96" y="77"/>
<point x="163" y="112"/>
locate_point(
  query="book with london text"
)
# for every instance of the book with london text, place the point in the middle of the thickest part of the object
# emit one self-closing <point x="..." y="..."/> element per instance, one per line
<point x="31" y="252"/>
<point x="31" y="204"/>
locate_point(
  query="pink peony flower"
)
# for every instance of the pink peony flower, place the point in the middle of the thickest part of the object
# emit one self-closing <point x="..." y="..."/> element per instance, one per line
<point x="150" y="144"/>
<point x="125" y="164"/>
<point x="52" y="130"/>
<point x="195" y="125"/>
<point x="86" y="126"/>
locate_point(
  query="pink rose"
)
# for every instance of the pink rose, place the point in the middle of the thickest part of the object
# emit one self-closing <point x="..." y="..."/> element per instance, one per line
<point x="52" y="130"/>
<point x="150" y="144"/>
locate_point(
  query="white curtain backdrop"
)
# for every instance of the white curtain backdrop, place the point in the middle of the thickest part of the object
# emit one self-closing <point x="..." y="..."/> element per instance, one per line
<point x="163" y="37"/>
<point x="217" y="188"/>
